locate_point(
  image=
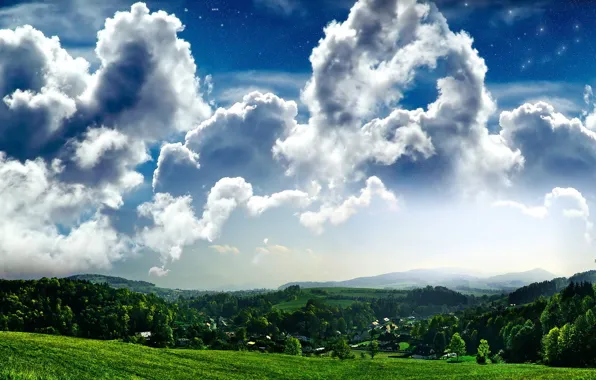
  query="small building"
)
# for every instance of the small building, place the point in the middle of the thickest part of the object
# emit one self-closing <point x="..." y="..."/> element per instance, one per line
<point x="146" y="334"/>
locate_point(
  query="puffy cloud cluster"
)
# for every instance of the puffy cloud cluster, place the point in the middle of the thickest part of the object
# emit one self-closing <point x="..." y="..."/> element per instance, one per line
<point x="70" y="140"/>
<point x="175" y="225"/>
<point x="363" y="66"/>
<point x="337" y="214"/>
<point x="574" y="203"/>
<point x="51" y="227"/>
<point x="234" y="142"/>
<point x="554" y="147"/>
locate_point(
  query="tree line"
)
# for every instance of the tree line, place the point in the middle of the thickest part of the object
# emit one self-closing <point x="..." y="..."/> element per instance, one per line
<point x="557" y="331"/>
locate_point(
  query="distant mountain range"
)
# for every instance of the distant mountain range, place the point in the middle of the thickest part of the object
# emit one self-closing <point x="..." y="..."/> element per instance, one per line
<point x="455" y="279"/>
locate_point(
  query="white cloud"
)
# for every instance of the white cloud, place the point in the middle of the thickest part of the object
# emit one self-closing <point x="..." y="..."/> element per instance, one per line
<point x="577" y="207"/>
<point x="223" y="249"/>
<point x="234" y="142"/>
<point x="337" y="214"/>
<point x="75" y="21"/>
<point x="175" y="224"/>
<point x="554" y="147"/>
<point x="166" y="90"/>
<point x="34" y="206"/>
<point x="362" y="67"/>
<point x="70" y="141"/>
<point x="158" y="271"/>
<point x="259" y="204"/>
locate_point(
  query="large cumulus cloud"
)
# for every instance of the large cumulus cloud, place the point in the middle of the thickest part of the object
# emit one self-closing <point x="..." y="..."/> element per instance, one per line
<point x="70" y="140"/>
<point x="234" y="142"/>
<point x="556" y="149"/>
<point x="363" y="66"/>
<point x="48" y="226"/>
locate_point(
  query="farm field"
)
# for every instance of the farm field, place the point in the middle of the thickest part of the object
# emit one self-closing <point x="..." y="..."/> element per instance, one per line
<point x="35" y="356"/>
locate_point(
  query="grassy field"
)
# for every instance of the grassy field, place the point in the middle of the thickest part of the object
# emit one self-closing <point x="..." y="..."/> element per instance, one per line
<point x="331" y="296"/>
<point x="32" y="356"/>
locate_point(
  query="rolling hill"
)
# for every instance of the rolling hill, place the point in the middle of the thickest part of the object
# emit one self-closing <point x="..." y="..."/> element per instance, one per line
<point x="451" y="278"/>
<point x="148" y="287"/>
<point x="532" y="292"/>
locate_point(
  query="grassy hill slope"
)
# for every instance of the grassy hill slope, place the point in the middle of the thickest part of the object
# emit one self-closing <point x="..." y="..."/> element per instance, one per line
<point x="342" y="297"/>
<point x="31" y="356"/>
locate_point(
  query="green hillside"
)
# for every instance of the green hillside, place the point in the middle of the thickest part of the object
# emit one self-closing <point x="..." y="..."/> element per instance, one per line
<point x="31" y="356"/>
<point x="148" y="287"/>
<point x="340" y="296"/>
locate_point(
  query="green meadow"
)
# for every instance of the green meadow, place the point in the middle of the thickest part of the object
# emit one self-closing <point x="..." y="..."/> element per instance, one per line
<point x="337" y="296"/>
<point x="33" y="356"/>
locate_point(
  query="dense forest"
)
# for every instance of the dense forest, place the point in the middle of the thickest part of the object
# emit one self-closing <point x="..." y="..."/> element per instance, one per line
<point x="532" y="292"/>
<point x="559" y="331"/>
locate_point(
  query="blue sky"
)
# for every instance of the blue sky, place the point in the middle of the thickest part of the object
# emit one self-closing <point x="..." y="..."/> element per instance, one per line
<point x="360" y="150"/>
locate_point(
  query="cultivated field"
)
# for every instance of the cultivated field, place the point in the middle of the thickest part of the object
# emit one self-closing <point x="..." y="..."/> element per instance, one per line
<point x="32" y="356"/>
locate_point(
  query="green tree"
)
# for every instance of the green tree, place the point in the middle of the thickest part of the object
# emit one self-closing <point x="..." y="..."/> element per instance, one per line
<point x="550" y="347"/>
<point x="373" y="349"/>
<point x="342" y="350"/>
<point x="457" y="346"/>
<point x="293" y="347"/>
<point x="483" y="352"/>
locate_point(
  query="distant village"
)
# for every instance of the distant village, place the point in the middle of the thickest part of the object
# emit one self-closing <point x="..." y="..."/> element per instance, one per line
<point x="392" y="336"/>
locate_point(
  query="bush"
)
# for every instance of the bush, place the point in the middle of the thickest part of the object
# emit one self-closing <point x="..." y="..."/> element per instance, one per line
<point x="342" y="350"/>
<point x="483" y="352"/>
<point x="293" y="347"/>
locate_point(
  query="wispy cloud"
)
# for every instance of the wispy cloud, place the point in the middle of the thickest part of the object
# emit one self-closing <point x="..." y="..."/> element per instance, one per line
<point x="232" y="86"/>
<point x="567" y="98"/>
<point x="285" y="7"/>
<point x="74" y="21"/>
<point x="223" y="249"/>
<point x="269" y="249"/>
